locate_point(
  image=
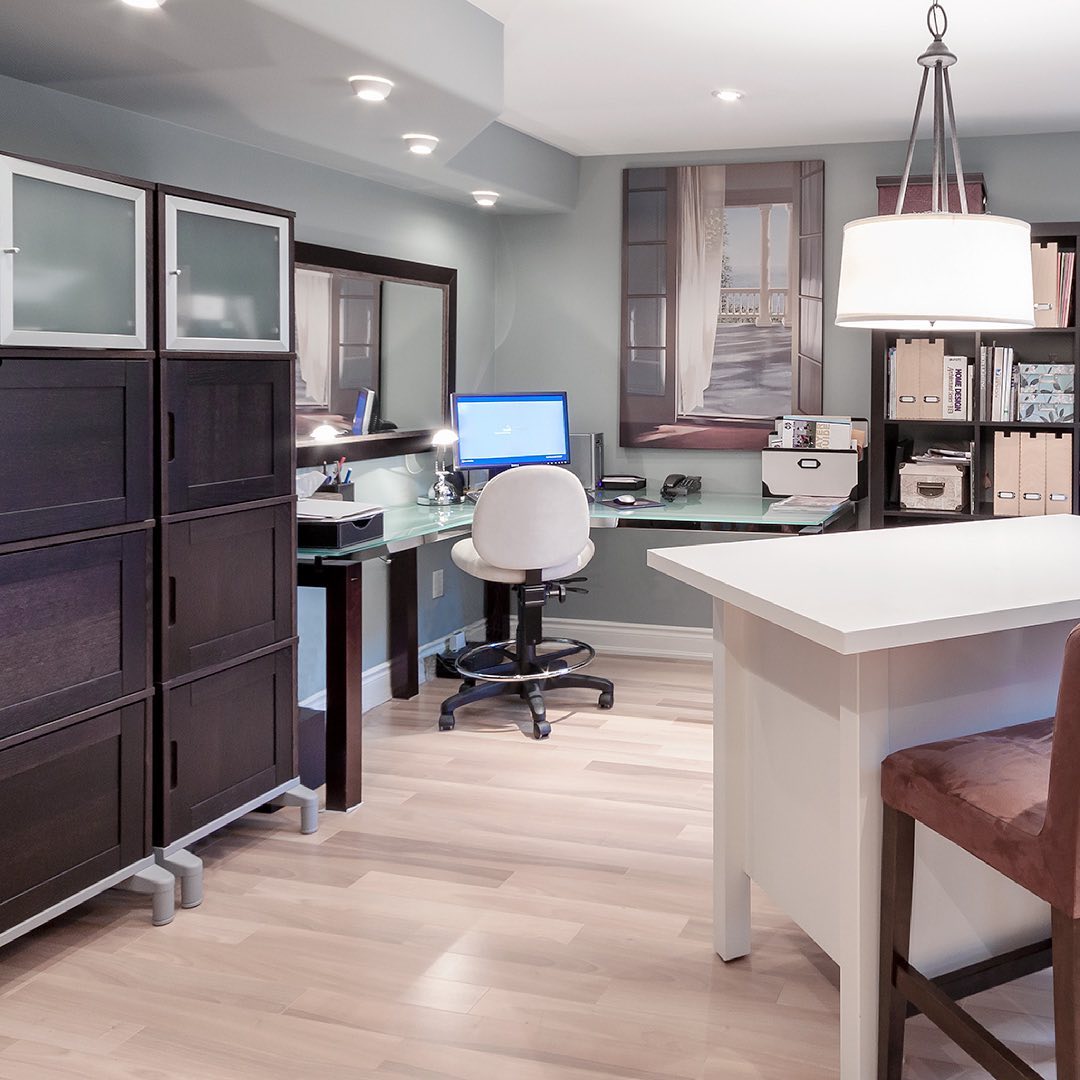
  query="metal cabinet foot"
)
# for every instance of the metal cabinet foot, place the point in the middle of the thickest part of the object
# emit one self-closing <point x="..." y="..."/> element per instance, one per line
<point x="160" y="885"/>
<point x="188" y="870"/>
<point x="308" y="801"/>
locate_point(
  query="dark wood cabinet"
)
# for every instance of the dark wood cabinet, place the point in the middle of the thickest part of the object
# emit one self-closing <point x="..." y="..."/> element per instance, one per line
<point x="226" y="738"/>
<point x="227" y="586"/>
<point x="227" y="432"/>
<point x="73" y="803"/>
<point x="95" y="416"/>
<point x="75" y="625"/>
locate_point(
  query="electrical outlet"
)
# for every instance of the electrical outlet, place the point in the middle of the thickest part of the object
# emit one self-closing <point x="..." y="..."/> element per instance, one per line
<point x="436" y="584"/>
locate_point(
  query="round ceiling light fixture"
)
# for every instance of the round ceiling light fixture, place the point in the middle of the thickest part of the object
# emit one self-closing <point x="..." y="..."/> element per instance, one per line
<point x="421" y="144"/>
<point x="371" y="87"/>
<point x="146" y="5"/>
<point x="728" y="95"/>
<point x="486" y="198"/>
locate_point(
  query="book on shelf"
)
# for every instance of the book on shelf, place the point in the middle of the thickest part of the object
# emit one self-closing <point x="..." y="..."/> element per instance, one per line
<point x="1052" y="274"/>
<point x="1024" y="392"/>
<point x="923" y="383"/>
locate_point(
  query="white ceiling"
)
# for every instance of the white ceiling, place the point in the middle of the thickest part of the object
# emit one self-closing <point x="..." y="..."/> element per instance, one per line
<point x="633" y="76"/>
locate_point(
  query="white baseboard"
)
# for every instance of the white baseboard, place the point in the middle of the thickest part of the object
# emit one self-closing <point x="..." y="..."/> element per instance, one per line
<point x="636" y="639"/>
<point x="376" y="680"/>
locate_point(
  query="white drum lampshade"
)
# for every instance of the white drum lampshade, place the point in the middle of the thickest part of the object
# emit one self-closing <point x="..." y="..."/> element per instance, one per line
<point x="936" y="272"/>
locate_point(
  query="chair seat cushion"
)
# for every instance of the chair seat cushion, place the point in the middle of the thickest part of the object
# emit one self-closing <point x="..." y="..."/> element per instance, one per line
<point x="985" y="792"/>
<point x="464" y="555"/>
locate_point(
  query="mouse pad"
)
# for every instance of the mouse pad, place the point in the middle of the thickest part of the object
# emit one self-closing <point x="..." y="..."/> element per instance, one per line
<point x="641" y="504"/>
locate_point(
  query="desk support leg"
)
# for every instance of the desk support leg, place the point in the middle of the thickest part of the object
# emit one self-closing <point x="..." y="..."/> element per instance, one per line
<point x="344" y="683"/>
<point x="497" y="611"/>
<point x="404" y="646"/>
<point x="731" y="885"/>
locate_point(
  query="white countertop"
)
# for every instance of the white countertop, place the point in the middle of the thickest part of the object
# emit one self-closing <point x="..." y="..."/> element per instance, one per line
<point x="879" y="589"/>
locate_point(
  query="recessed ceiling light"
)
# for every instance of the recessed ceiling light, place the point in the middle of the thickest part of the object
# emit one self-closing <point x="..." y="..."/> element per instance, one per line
<point x="147" y="5"/>
<point x="727" y="95"/>
<point x="371" y="87"/>
<point x="486" y="198"/>
<point x="421" y="144"/>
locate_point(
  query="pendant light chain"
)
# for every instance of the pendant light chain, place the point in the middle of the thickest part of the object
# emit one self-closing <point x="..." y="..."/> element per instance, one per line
<point x="938" y="57"/>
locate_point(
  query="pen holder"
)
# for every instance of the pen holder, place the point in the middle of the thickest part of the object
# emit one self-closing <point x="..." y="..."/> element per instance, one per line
<point x="345" y="492"/>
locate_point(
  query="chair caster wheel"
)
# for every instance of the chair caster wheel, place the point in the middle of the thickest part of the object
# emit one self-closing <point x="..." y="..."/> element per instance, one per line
<point x="541" y="729"/>
<point x="607" y="700"/>
<point x="446" y="722"/>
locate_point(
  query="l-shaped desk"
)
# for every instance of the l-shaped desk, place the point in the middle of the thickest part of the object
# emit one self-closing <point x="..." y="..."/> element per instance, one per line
<point x="405" y="528"/>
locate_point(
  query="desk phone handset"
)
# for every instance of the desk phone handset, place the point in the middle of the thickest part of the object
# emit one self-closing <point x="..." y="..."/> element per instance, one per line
<point x="678" y="484"/>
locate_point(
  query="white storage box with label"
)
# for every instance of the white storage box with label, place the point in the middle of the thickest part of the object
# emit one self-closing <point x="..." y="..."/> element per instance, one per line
<point x="785" y="471"/>
<point x="933" y="487"/>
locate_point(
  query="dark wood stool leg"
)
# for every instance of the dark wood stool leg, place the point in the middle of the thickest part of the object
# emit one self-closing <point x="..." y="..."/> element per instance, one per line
<point x="1066" y="937"/>
<point x="897" y="879"/>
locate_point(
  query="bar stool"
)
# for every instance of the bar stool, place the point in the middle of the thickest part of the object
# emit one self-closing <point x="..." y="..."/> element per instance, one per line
<point x="1011" y="798"/>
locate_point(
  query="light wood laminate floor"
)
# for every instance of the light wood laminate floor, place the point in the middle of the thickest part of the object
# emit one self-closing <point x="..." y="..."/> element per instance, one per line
<point x="498" y="909"/>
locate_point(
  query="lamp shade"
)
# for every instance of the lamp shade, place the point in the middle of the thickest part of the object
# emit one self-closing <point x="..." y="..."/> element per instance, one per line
<point x="921" y="272"/>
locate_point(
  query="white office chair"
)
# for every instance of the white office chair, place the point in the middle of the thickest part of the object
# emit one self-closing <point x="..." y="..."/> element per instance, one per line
<point x="531" y="531"/>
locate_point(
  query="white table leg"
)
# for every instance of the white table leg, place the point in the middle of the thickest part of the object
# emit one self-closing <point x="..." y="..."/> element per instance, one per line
<point x="731" y="884"/>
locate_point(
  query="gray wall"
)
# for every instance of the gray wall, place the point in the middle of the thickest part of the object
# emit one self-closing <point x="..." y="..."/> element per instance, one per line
<point x="558" y="319"/>
<point x="332" y="208"/>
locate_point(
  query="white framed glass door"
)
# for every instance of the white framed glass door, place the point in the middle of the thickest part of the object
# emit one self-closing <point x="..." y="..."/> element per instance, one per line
<point x="73" y="270"/>
<point x="227" y="278"/>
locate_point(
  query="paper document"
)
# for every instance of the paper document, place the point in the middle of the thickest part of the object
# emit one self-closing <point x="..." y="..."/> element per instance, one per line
<point x="334" y="509"/>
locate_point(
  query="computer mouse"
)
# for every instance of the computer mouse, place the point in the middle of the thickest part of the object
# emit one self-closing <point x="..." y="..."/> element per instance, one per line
<point x="626" y="500"/>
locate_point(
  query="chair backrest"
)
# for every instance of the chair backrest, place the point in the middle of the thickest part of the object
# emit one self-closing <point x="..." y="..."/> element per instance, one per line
<point x="531" y="517"/>
<point x="1061" y="831"/>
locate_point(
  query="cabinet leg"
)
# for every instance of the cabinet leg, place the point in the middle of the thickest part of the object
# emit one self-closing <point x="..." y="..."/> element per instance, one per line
<point x="188" y="870"/>
<point x="308" y="801"/>
<point x="157" y="883"/>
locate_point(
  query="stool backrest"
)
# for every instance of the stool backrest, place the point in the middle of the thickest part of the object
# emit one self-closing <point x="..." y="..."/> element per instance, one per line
<point x="1061" y="832"/>
<point x="531" y="517"/>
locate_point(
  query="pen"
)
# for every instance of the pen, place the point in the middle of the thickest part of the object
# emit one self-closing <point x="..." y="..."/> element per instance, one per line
<point x="348" y="475"/>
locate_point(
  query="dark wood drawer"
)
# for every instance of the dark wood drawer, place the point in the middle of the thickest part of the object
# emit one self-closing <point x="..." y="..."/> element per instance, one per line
<point x="227" y="586"/>
<point x="73" y="803"/>
<point x="227" y="430"/>
<point x="75" y="624"/>
<point x="226" y="738"/>
<point x="99" y="412"/>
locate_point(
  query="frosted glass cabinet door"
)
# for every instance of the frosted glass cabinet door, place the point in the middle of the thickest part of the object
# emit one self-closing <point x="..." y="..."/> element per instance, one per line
<point x="73" y="271"/>
<point x="228" y="277"/>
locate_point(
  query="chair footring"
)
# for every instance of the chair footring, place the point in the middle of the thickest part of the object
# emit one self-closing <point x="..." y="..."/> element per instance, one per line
<point x="469" y="666"/>
<point x="940" y="1009"/>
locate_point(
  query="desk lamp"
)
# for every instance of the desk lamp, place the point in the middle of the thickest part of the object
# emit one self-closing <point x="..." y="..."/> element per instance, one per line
<point x="443" y="492"/>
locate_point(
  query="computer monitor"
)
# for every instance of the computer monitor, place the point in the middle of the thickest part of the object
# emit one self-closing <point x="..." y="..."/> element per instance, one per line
<point x="496" y="431"/>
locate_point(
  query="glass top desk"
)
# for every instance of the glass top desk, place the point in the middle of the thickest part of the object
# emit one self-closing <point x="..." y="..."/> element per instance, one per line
<point x="338" y="571"/>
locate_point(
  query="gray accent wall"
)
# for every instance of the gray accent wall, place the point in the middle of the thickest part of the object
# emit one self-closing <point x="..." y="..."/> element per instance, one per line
<point x="333" y="208"/>
<point x="558" y="315"/>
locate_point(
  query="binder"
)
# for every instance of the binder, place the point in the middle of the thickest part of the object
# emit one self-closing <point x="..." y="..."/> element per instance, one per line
<point x="1032" y="493"/>
<point x="1058" y="472"/>
<point x="1006" y="473"/>
<point x="931" y="375"/>
<point x="907" y="363"/>
<point x="1044" y="280"/>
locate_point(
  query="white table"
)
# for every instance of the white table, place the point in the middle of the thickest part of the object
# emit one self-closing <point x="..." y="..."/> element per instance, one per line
<point x="831" y="653"/>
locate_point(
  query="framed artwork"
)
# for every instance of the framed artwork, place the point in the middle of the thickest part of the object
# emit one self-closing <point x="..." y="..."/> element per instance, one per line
<point x="721" y="302"/>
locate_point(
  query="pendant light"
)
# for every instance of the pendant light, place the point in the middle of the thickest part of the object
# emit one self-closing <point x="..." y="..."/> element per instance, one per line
<point x="937" y="271"/>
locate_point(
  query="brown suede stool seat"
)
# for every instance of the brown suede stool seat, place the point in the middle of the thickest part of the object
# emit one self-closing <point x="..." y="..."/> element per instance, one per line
<point x="1010" y="797"/>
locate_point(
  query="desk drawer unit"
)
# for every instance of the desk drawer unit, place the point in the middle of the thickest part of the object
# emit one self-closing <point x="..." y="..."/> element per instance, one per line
<point x="100" y="413"/>
<point x="74" y="806"/>
<point x="227" y="586"/>
<point x="75" y="623"/>
<point x="227" y="738"/>
<point x="227" y="432"/>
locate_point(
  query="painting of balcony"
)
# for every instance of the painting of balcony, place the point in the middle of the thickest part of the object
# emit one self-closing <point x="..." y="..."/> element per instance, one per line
<point x="722" y="302"/>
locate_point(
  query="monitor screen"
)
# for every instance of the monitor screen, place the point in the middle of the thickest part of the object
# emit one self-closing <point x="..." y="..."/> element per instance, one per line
<point x="496" y="430"/>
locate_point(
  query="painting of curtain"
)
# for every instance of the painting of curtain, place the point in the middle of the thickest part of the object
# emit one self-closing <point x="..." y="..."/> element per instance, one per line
<point x="313" y="292"/>
<point x="722" y="328"/>
<point x="701" y="261"/>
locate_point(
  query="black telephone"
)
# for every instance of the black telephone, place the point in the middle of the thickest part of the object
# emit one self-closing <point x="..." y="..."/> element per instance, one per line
<point x="678" y="484"/>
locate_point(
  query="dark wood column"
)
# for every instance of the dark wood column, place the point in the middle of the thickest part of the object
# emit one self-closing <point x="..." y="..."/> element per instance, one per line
<point x="404" y="643"/>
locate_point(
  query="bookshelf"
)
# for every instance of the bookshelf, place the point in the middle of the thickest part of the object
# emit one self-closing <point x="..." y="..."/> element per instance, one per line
<point x="1060" y="345"/>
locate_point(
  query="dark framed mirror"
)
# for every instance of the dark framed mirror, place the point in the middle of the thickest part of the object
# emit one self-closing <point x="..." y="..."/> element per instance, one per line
<point x="374" y="336"/>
